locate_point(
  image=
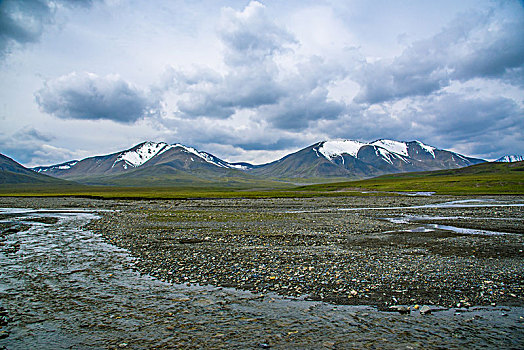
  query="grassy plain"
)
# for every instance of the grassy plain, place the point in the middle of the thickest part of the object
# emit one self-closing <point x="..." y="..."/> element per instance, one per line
<point x="482" y="179"/>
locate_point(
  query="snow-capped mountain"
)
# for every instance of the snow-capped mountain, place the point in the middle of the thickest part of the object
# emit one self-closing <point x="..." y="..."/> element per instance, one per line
<point x="143" y="155"/>
<point x="510" y="158"/>
<point x="350" y="158"/>
<point x="334" y="158"/>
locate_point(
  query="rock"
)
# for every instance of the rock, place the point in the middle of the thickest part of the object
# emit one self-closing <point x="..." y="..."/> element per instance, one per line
<point x="425" y="310"/>
<point x="400" y="309"/>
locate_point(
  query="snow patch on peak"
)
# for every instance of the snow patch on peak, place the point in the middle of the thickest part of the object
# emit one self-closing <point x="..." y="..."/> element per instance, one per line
<point x="384" y="153"/>
<point x="188" y="149"/>
<point x="388" y="156"/>
<point x="67" y="165"/>
<point x="427" y="148"/>
<point x="510" y="158"/>
<point x="141" y="154"/>
<point x="336" y="148"/>
<point x="203" y="155"/>
<point x="61" y="166"/>
<point x="238" y="166"/>
<point x="393" y="146"/>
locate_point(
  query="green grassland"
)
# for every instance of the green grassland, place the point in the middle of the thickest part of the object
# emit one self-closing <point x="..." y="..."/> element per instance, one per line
<point x="486" y="178"/>
<point x="481" y="179"/>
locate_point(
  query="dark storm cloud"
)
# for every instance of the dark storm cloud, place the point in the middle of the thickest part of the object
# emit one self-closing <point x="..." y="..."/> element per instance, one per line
<point x="475" y="125"/>
<point x="473" y="46"/>
<point x="88" y="96"/>
<point x="458" y="117"/>
<point x="23" y="21"/>
<point x="296" y="112"/>
<point x="220" y="97"/>
<point x="281" y="143"/>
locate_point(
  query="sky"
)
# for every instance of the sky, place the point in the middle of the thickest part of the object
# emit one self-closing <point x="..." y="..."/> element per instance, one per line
<point x="255" y="80"/>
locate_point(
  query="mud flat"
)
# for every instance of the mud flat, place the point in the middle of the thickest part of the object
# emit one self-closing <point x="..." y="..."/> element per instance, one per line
<point x="272" y="273"/>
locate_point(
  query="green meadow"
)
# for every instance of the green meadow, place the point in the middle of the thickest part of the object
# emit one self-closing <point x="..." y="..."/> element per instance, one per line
<point x="481" y="179"/>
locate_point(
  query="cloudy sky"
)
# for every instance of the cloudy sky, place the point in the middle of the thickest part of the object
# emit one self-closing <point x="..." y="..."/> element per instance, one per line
<point x="253" y="81"/>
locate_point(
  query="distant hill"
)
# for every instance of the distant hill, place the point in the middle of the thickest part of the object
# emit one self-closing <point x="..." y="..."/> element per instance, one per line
<point x="13" y="173"/>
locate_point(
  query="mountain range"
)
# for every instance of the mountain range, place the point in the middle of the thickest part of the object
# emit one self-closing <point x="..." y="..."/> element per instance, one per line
<point x="155" y="163"/>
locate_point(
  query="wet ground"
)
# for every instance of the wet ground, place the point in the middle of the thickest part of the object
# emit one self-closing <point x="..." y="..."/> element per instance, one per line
<point x="63" y="286"/>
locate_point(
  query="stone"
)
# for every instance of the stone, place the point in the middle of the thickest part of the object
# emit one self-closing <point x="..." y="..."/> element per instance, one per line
<point x="425" y="310"/>
<point x="400" y="309"/>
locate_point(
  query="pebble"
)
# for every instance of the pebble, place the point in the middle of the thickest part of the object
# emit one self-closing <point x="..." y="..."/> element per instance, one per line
<point x="342" y="257"/>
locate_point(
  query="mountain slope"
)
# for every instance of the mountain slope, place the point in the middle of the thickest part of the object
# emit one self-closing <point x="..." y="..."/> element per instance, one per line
<point x="13" y="173"/>
<point x="308" y="163"/>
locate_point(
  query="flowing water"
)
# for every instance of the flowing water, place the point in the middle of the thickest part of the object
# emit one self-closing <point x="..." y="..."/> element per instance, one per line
<point x="63" y="287"/>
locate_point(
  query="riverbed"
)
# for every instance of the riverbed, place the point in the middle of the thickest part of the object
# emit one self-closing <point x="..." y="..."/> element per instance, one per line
<point x="85" y="274"/>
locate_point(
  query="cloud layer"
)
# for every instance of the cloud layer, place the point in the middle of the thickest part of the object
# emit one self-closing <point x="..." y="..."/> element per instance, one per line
<point x="88" y="96"/>
<point x="263" y="76"/>
<point x="476" y="45"/>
